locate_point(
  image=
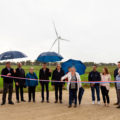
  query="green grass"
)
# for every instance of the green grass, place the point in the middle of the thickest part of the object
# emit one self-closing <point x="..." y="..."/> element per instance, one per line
<point x="83" y="77"/>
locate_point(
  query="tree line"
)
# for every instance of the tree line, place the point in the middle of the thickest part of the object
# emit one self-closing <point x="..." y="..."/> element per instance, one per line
<point x="29" y="62"/>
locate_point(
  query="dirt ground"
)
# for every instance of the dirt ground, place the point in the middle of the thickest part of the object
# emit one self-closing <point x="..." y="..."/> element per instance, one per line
<point x="52" y="111"/>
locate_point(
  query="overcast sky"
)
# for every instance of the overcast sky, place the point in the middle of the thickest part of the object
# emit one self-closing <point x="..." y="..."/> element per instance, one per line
<point x="92" y="26"/>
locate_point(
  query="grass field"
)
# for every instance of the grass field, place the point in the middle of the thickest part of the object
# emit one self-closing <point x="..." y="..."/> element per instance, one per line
<point x="83" y="77"/>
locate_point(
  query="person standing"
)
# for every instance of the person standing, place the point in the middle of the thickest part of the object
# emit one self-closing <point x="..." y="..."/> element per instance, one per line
<point x="44" y="74"/>
<point x="31" y="84"/>
<point x="115" y="74"/>
<point x="95" y="76"/>
<point x="118" y="87"/>
<point x="20" y="83"/>
<point x="72" y="87"/>
<point x="105" y="87"/>
<point x="58" y="73"/>
<point x="7" y="83"/>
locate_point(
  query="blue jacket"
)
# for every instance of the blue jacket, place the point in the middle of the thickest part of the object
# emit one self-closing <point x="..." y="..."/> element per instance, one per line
<point x="30" y="83"/>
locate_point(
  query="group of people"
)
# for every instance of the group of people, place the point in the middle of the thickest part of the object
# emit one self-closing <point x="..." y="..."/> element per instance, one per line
<point x="101" y="81"/>
<point x="30" y="81"/>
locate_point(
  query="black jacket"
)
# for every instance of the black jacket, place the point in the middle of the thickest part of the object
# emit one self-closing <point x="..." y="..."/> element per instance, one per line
<point x="5" y="71"/>
<point x="94" y="76"/>
<point x="44" y="76"/>
<point x="115" y="73"/>
<point x="57" y="77"/>
<point x="20" y="73"/>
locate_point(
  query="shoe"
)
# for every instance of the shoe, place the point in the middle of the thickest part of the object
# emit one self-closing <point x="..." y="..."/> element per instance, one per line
<point x="42" y="101"/>
<point x="61" y="101"/>
<point x="2" y="103"/>
<point x="116" y="103"/>
<point x="98" y="102"/>
<point x="23" y="100"/>
<point x="33" y="100"/>
<point x="56" y="101"/>
<point x="47" y="101"/>
<point x="18" y="101"/>
<point x="118" y="107"/>
<point x="29" y="101"/>
<point x="69" y="106"/>
<point x="93" y="102"/>
<point x="11" y="103"/>
<point x="75" y="106"/>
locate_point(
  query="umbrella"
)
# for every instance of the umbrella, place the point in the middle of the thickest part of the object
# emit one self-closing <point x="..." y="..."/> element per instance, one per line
<point x="11" y="55"/>
<point x="49" y="57"/>
<point x="80" y="94"/>
<point x="80" y="67"/>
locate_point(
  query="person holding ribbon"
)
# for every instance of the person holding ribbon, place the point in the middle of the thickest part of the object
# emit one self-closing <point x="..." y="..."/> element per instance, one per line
<point x="118" y="87"/>
<point x="44" y="74"/>
<point x="8" y="82"/>
<point x="105" y="87"/>
<point x="19" y="83"/>
<point x="73" y="85"/>
<point x="94" y="76"/>
<point x="31" y="83"/>
<point x="58" y="73"/>
<point x="115" y="74"/>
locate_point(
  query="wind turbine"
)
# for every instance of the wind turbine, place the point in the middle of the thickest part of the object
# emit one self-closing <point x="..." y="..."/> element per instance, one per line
<point x="58" y="38"/>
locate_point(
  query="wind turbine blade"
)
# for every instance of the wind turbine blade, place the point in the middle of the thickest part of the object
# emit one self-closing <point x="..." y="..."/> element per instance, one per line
<point x="55" y="30"/>
<point x="53" y="44"/>
<point x="65" y="39"/>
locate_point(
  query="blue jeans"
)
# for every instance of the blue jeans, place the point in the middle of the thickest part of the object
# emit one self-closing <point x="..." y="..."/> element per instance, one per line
<point x="72" y="94"/>
<point x="97" y="92"/>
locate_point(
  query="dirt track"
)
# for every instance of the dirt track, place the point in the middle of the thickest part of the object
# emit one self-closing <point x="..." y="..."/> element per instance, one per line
<point x="52" y="111"/>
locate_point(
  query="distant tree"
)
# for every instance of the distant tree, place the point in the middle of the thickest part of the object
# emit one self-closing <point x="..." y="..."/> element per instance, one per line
<point x="23" y="62"/>
<point x="37" y="62"/>
<point x="28" y="62"/>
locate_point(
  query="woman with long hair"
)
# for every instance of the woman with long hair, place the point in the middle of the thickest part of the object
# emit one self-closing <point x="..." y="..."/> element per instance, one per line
<point x="105" y="87"/>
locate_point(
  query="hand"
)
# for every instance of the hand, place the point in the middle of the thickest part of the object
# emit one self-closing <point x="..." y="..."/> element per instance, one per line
<point x="8" y="74"/>
<point x="17" y="83"/>
<point x="27" y="87"/>
<point x="49" y="70"/>
<point x="92" y="84"/>
<point x="14" y="71"/>
<point x="63" y="85"/>
<point x="40" y="84"/>
<point x="53" y="86"/>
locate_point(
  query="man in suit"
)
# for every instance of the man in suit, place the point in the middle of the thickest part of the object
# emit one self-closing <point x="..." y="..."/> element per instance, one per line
<point x="7" y="83"/>
<point x="115" y="74"/>
<point x="19" y="83"/>
<point x="44" y="74"/>
<point x="58" y="73"/>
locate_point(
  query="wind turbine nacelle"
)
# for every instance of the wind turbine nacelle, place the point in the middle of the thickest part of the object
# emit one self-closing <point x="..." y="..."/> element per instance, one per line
<point x="59" y="37"/>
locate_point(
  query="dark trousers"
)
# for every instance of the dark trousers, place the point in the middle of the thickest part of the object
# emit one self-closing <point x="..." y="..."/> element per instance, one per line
<point x="17" y="92"/>
<point x="31" y="90"/>
<point x="60" y="92"/>
<point x="7" y="86"/>
<point x="116" y="93"/>
<point x="105" y="94"/>
<point x="72" y="95"/>
<point x="47" y="90"/>
<point x="97" y="92"/>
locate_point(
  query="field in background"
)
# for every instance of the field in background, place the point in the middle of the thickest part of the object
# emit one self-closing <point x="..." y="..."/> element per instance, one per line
<point x="83" y="77"/>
